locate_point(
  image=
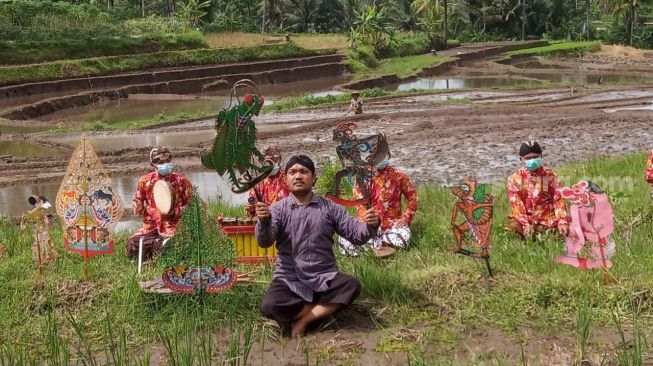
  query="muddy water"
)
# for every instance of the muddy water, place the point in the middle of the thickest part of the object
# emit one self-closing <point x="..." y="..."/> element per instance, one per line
<point x="20" y="129"/>
<point x="25" y="148"/>
<point x="617" y="95"/>
<point x="116" y="111"/>
<point x="648" y="107"/>
<point x="142" y="107"/>
<point x="119" y="142"/>
<point x="460" y="83"/>
<point x="212" y="187"/>
<point x="586" y="78"/>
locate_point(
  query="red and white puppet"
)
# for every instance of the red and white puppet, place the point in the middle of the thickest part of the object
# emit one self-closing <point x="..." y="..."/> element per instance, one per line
<point x="591" y="227"/>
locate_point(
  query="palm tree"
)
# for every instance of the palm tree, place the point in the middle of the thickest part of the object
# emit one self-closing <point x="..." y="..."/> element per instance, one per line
<point x="403" y="14"/>
<point x="421" y="5"/>
<point x="626" y="9"/>
<point x="300" y="13"/>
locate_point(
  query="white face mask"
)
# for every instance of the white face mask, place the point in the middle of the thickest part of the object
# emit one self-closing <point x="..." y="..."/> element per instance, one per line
<point x="275" y="169"/>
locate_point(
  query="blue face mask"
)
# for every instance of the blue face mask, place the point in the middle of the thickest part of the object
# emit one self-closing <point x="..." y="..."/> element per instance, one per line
<point x="382" y="164"/>
<point x="533" y="164"/>
<point x="164" y="169"/>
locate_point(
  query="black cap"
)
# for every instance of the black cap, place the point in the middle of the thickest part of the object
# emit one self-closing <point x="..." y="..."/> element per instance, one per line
<point x="530" y="147"/>
<point x="302" y="160"/>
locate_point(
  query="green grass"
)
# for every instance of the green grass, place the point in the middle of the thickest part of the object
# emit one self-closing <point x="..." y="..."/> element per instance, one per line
<point x="425" y="285"/>
<point x="112" y="64"/>
<point x="560" y="49"/>
<point x="403" y="66"/>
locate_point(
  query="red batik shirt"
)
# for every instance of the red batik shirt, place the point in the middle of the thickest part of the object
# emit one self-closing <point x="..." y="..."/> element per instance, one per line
<point x="272" y="189"/>
<point x="152" y="219"/>
<point x="535" y="198"/>
<point x="386" y="189"/>
<point x="649" y="168"/>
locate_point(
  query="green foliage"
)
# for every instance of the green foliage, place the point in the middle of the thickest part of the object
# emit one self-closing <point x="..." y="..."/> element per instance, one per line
<point x="372" y="27"/>
<point x="193" y="11"/>
<point x="197" y="240"/>
<point x="100" y="126"/>
<point x="362" y="58"/>
<point x="407" y="44"/>
<point x="327" y="178"/>
<point x="112" y="64"/>
<point x="330" y="17"/>
<point x="36" y="31"/>
<point x="560" y="49"/>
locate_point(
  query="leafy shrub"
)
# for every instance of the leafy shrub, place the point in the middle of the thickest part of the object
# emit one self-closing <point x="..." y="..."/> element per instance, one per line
<point x="326" y="181"/>
<point x="407" y="44"/>
<point x="362" y="58"/>
<point x="100" y="126"/>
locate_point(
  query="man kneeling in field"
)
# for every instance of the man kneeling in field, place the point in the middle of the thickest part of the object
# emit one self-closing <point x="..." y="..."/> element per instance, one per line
<point x="307" y="285"/>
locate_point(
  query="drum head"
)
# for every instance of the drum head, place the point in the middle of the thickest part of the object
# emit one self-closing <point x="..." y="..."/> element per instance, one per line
<point x="384" y="252"/>
<point x="164" y="198"/>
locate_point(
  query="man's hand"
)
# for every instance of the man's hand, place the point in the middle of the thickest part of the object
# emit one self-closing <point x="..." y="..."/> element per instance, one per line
<point x="400" y="223"/>
<point x="563" y="230"/>
<point x="372" y="218"/>
<point x="138" y="206"/>
<point x="262" y="212"/>
<point x="250" y="210"/>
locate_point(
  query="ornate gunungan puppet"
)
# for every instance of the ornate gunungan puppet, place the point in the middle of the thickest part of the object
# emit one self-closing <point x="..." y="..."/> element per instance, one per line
<point x="358" y="159"/>
<point x="234" y="149"/>
<point x="44" y="251"/>
<point x="87" y="205"/>
<point x="476" y="208"/>
<point x="589" y="243"/>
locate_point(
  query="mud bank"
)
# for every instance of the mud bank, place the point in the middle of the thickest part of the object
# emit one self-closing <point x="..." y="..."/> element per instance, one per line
<point x="185" y="86"/>
<point x="162" y="75"/>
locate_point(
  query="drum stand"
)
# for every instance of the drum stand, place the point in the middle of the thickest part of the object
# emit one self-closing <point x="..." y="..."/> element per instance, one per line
<point x="140" y="252"/>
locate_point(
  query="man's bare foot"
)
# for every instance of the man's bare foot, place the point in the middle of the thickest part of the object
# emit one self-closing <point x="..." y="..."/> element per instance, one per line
<point x="299" y="329"/>
<point x="454" y="250"/>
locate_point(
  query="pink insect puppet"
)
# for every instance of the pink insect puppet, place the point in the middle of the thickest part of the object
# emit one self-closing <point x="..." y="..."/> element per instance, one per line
<point x="589" y="243"/>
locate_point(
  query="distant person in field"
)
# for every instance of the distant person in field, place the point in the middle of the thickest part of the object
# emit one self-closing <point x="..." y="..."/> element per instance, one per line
<point x="649" y="171"/>
<point x="533" y="193"/>
<point x="356" y="104"/>
<point x="306" y="284"/>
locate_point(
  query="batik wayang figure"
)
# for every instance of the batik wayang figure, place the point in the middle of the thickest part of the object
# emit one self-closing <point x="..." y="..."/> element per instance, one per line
<point x="533" y="194"/>
<point x="44" y="251"/>
<point x="234" y="149"/>
<point x="88" y="207"/>
<point x="157" y="225"/>
<point x="476" y="208"/>
<point x="589" y="244"/>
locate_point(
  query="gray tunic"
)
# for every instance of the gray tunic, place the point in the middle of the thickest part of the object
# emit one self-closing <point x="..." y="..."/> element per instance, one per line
<point x="304" y="237"/>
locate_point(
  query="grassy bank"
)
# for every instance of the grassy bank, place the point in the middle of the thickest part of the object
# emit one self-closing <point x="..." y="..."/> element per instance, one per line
<point x="308" y="41"/>
<point x="112" y="64"/>
<point x="438" y="297"/>
<point x="84" y="47"/>
<point x="402" y="66"/>
<point x="560" y="49"/>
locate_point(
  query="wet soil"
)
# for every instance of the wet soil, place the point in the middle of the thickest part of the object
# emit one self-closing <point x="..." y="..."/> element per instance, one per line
<point x="433" y="137"/>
